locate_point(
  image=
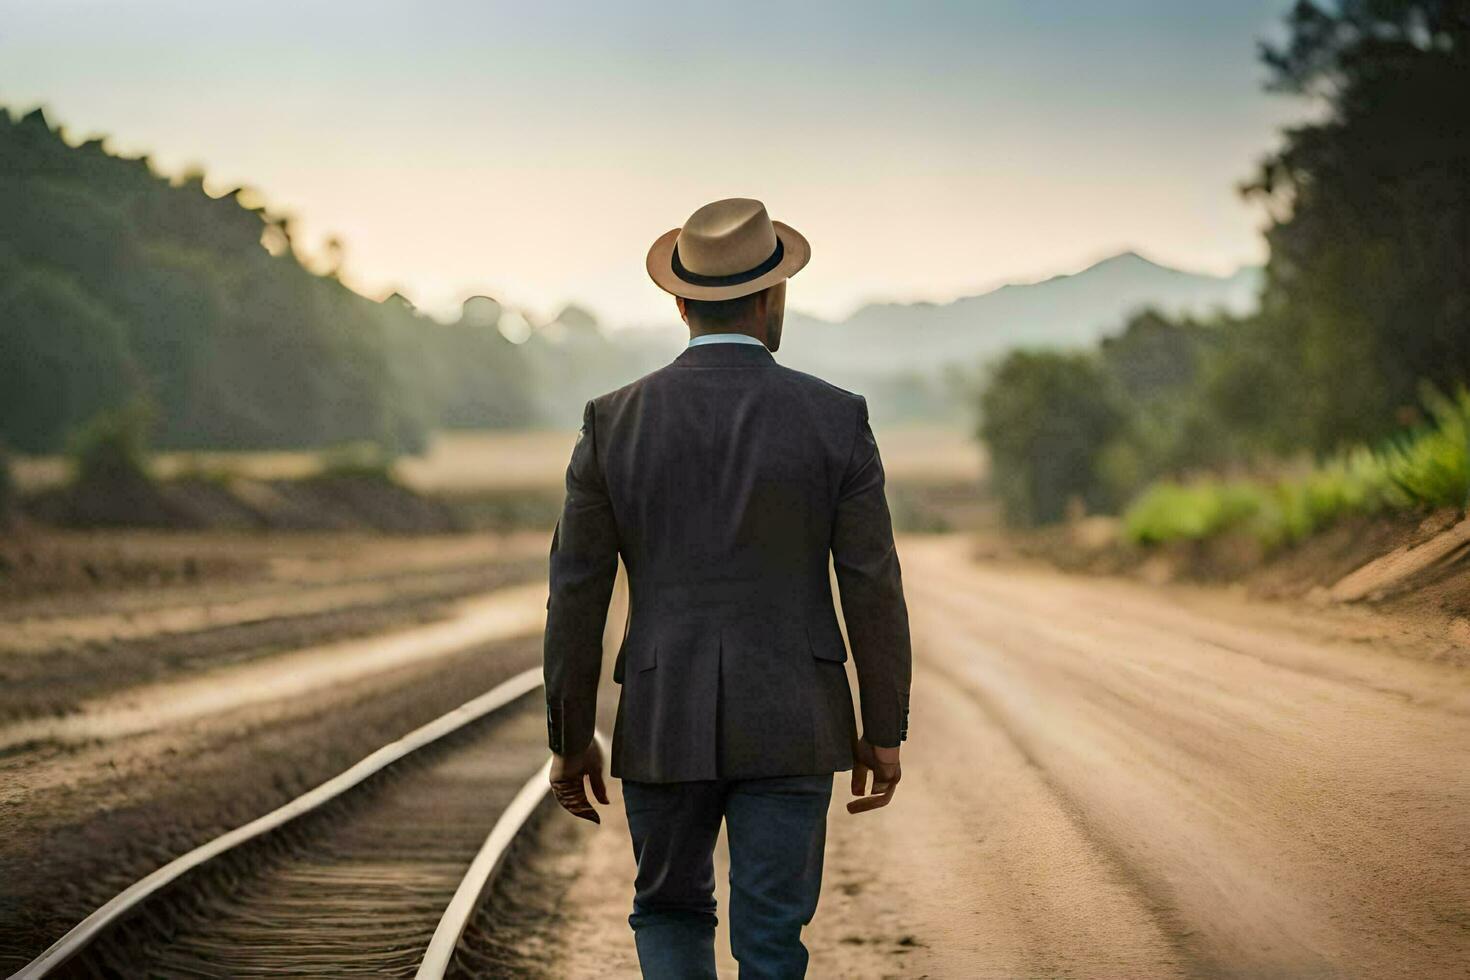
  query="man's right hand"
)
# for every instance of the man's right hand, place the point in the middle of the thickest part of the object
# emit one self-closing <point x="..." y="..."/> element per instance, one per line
<point x="883" y="763"/>
<point x="568" y="773"/>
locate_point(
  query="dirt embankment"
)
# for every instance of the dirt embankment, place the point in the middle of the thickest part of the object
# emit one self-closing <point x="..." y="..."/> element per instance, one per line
<point x="1411" y="568"/>
<point x="319" y="503"/>
<point x="329" y="501"/>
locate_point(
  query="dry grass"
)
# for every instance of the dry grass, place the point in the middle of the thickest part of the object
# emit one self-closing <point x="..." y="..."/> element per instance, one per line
<point x="464" y="462"/>
<point x="932" y="454"/>
<point x="510" y="460"/>
<point x="494" y="459"/>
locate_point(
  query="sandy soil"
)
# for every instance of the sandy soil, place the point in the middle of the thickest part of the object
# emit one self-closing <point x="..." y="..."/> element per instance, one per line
<point x="260" y="595"/>
<point x="1104" y="779"/>
<point x="276" y="694"/>
<point x="1108" y="780"/>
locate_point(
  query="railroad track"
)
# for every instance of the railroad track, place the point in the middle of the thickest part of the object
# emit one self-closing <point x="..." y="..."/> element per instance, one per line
<point x="373" y="873"/>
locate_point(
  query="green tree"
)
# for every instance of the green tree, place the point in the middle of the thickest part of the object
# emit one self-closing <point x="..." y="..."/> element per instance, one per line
<point x="116" y="282"/>
<point x="66" y="357"/>
<point x="1368" y="282"/>
<point x="1046" y="417"/>
<point x="1160" y="366"/>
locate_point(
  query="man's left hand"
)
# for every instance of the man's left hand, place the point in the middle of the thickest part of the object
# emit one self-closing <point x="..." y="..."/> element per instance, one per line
<point x="883" y="763"/>
<point x="567" y="775"/>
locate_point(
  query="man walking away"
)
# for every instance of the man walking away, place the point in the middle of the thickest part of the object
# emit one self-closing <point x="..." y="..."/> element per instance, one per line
<point x="724" y="481"/>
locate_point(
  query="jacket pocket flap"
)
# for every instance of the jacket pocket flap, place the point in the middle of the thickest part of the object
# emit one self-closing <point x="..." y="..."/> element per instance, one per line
<point x="827" y="644"/>
<point x="644" y="656"/>
<point x="633" y="656"/>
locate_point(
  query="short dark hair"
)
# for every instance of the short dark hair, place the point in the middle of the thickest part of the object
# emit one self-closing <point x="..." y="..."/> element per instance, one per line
<point x="721" y="312"/>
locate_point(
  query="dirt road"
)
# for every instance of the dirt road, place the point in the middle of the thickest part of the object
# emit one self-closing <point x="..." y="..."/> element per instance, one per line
<point x="1106" y="780"/>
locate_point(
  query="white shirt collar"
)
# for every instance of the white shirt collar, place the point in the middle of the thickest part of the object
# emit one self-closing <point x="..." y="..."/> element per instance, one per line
<point x="724" y="338"/>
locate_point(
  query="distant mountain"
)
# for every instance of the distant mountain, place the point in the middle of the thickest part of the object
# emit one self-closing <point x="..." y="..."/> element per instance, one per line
<point x="1063" y="311"/>
<point x="900" y="353"/>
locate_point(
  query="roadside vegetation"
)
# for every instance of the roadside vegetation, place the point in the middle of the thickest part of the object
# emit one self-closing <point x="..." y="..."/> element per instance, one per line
<point x="1331" y="400"/>
<point x="115" y="480"/>
<point x="111" y="449"/>
<point x="1426" y="469"/>
<point x="361" y="460"/>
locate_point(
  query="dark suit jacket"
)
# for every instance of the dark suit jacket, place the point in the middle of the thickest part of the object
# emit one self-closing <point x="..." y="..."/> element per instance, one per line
<point x="724" y="481"/>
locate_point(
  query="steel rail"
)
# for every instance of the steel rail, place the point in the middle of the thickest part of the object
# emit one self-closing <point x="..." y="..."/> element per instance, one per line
<point x="80" y="935"/>
<point x="482" y="871"/>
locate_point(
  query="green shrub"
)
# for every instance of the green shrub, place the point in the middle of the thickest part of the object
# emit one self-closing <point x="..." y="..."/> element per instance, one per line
<point x="357" y="460"/>
<point x="112" y="446"/>
<point x="1429" y="467"/>
<point x="1171" y="511"/>
<point x="1432" y="466"/>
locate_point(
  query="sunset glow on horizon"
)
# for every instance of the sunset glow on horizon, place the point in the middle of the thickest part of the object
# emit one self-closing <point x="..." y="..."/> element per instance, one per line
<point x="928" y="151"/>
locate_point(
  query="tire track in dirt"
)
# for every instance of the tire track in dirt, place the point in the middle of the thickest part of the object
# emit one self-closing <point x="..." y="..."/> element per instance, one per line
<point x="1294" y="816"/>
<point x="1107" y="780"/>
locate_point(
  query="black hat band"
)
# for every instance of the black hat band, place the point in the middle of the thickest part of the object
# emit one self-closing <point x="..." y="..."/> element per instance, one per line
<point x="695" y="279"/>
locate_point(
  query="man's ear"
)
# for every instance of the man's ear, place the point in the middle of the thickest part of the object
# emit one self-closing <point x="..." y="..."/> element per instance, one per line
<point x="683" y="311"/>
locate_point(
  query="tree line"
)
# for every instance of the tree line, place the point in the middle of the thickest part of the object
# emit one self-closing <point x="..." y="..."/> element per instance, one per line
<point x="1364" y="317"/>
<point x="119" y="286"/>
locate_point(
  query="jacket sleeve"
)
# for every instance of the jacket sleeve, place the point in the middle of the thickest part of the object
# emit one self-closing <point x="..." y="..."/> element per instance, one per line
<point x="871" y="587"/>
<point x="584" y="565"/>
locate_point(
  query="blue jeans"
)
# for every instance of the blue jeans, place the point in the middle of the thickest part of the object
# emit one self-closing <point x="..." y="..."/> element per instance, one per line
<point x="777" y="829"/>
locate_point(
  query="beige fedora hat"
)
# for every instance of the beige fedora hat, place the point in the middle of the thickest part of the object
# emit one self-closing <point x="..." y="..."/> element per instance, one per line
<point x="727" y="249"/>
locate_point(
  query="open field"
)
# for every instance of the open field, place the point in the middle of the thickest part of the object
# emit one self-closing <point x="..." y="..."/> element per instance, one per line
<point x="515" y="459"/>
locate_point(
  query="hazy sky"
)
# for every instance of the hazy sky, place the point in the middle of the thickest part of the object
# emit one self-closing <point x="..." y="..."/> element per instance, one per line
<point x="533" y="150"/>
